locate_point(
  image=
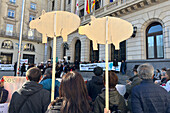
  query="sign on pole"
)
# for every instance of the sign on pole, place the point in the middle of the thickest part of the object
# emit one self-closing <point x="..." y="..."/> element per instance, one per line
<point x="54" y="24"/>
<point x="107" y="30"/>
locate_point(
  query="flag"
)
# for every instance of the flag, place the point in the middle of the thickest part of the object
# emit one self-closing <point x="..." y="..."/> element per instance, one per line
<point x="77" y="7"/>
<point x="87" y="8"/>
<point x="93" y="4"/>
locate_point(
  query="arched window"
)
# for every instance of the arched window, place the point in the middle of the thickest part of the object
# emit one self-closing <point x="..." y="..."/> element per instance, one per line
<point x="7" y="44"/>
<point x="154" y="41"/>
<point x="77" y="51"/>
<point x="29" y="47"/>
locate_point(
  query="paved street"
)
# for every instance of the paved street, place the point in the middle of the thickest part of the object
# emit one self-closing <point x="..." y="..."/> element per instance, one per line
<point x="86" y="75"/>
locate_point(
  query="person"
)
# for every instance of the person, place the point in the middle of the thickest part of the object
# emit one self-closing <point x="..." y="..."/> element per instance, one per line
<point x="115" y="63"/>
<point x="23" y="69"/>
<point x="41" y="67"/>
<point x="31" y="98"/>
<point x="116" y="101"/>
<point x="134" y="81"/>
<point x="73" y="68"/>
<point x="73" y="95"/>
<point x="30" y="66"/>
<point x="95" y="85"/>
<point x="167" y="85"/>
<point x="3" y="92"/>
<point x="47" y="82"/>
<point x="157" y="75"/>
<point x="149" y="97"/>
<point x="123" y="67"/>
<point x="163" y="78"/>
<point x="15" y="68"/>
<point x="76" y="64"/>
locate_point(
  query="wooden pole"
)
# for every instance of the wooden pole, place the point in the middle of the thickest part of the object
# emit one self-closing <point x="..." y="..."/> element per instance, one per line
<point x="106" y="71"/>
<point x="54" y="60"/>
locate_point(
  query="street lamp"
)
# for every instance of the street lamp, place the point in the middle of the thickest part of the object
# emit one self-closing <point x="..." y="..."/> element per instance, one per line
<point x="134" y="31"/>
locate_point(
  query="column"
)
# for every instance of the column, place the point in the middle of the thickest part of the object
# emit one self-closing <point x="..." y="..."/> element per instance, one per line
<point x="49" y="5"/>
<point x="85" y="49"/>
<point x="102" y="52"/>
<point x="45" y="51"/>
<point x="73" y="6"/>
<point x="62" y="5"/>
<point x="85" y="3"/>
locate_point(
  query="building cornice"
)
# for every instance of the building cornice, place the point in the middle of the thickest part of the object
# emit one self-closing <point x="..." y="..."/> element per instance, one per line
<point x="118" y="9"/>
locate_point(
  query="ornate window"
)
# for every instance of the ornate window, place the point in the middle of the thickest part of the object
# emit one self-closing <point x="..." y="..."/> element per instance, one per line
<point x="154" y="41"/>
<point x="7" y="44"/>
<point x="31" y="18"/>
<point x="11" y="13"/>
<point x="12" y="1"/>
<point x="33" y="6"/>
<point x="9" y="29"/>
<point x="29" y="47"/>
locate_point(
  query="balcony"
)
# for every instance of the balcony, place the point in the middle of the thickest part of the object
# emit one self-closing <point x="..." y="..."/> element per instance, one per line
<point x="24" y="37"/>
<point x="119" y="8"/>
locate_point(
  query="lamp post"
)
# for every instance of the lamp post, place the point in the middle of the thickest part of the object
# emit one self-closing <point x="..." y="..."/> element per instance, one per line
<point x="20" y="37"/>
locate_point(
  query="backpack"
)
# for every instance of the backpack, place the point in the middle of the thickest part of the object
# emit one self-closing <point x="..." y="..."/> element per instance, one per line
<point x="114" y="109"/>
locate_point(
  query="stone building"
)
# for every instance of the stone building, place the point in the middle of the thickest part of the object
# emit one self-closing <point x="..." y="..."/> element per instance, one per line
<point x="149" y="44"/>
<point x="10" y="17"/>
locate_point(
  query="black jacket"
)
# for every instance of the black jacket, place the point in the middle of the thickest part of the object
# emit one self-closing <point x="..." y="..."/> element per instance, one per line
<point x="135" y="81"/>
<point x="4" y="94"/>
<point x="95" y="86"/>
<point x="150" y="98"/>
<point x="31" y="98"/>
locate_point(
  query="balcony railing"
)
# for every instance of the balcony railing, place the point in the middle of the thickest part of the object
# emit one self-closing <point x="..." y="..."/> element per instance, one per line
<point x="24" y="37"/>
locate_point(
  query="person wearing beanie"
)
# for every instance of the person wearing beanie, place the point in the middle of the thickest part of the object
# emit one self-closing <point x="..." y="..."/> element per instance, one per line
<point x="95" y="85"/>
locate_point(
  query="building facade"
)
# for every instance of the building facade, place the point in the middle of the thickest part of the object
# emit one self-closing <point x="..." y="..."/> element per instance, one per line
<point x="10" y="17"/>
<point x="150" y="42"/>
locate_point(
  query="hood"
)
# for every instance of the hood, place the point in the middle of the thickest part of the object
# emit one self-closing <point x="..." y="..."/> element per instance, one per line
<point x="29" y="88"/>
<point x="114" y="97"/>
<point x="97" y="80"/>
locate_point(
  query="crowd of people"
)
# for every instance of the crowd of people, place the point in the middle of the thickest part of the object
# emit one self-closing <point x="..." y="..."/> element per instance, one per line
<point x="146" y="92"/>
<point x="61" y="67"/>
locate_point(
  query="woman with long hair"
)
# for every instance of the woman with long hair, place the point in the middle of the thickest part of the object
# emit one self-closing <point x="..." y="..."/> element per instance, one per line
<point x="73" y="95"/>
<point x="157" y="75"/>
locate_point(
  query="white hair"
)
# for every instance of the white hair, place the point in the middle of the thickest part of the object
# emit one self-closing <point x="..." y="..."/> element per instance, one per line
<point x="145" y="71"/>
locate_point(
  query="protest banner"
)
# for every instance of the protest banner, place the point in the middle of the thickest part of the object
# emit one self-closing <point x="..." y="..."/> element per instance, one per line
<point x="23" y="61"/>
<point x="5" y="67"/>
<point x="91" y="66"/>
<point x="12" y="84"/>
<point x="4" y="108"/>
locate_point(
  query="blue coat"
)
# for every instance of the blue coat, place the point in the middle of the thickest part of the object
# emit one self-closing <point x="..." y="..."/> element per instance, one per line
<point x="47" y="85"/>
<point x="150" y="98"/>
